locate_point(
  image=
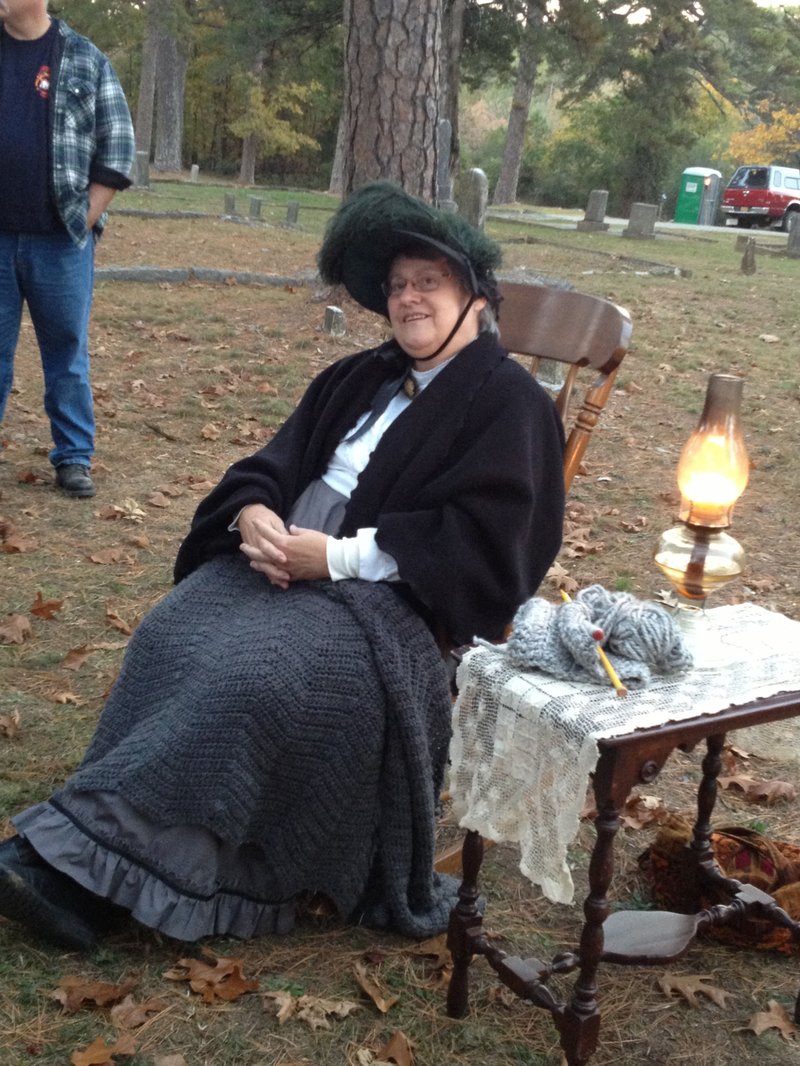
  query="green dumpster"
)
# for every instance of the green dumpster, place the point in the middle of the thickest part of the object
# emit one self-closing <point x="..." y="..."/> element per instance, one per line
<point x="698" y="196"/>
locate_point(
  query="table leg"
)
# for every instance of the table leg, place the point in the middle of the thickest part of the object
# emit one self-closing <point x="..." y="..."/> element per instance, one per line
<point x="465" y="922"/>
<point x="706" y="800"/>
<point x="579" y="1025"/>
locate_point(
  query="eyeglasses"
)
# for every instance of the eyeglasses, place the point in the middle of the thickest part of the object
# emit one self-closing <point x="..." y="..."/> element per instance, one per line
<point x="428" y="281"/>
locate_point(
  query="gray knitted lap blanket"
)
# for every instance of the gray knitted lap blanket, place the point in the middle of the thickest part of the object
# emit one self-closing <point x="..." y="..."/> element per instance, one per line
<point x="312" y="723"/>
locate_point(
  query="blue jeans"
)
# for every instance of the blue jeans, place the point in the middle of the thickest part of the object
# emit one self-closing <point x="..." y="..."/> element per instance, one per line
<point x="55" y="278"/>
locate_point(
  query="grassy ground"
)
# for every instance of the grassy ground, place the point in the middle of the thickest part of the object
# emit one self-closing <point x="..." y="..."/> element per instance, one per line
<point x="189" y="377"/>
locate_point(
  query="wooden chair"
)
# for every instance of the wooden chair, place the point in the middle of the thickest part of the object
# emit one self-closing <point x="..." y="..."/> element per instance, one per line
<point x="576" y="329"/>
<point x="582" y="331"/>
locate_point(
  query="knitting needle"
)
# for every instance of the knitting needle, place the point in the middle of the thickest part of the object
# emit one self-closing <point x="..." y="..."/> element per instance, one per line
<point x="597" y="634"/>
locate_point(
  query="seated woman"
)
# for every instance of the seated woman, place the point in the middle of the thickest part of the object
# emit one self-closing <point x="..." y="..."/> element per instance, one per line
<point x="281" y="720"/>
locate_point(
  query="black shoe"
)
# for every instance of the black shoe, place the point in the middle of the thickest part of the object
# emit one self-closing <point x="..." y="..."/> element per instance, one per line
<point x="41" y="898"/>
<point x="74" y="480"/>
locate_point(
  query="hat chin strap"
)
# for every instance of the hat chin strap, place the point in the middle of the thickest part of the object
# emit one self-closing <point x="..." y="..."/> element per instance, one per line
<point x="450" y="335"/>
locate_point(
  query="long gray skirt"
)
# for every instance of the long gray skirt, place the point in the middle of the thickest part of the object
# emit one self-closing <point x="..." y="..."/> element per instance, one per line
<point x="260" y="744"/>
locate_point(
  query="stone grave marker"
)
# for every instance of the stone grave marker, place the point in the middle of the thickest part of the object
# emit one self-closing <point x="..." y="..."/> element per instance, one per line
<point x="749" y="258"/>
<point x="642" y="222"/>
<point x="141" y="170"/>
<point x="475" y="197"/>
<point x="593" y="221"/>
<point x="334" y="323"/>
<point x="793" y="242"/>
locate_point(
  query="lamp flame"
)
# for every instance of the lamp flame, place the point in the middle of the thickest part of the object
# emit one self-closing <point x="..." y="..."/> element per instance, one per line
<point x="713" y="468"/>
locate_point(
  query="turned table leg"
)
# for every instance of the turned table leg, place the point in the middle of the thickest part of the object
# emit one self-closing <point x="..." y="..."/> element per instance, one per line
<point x="579" y="1025"/>
<point x="465" y="921"/>
<point x="706" y="799"/>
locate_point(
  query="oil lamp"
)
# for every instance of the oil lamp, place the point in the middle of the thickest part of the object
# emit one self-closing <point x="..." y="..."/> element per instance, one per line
<point x="698" y="556"/>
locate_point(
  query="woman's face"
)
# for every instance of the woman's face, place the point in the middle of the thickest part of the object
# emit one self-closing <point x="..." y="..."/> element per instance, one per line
<point x="422" y="317"/>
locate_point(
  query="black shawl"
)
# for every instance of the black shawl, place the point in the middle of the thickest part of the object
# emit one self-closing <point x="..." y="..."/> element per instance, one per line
<point x="465" y="487"/>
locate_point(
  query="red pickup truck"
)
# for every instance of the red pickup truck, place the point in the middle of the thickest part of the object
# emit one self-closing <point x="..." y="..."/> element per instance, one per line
<point x="760" y="195"/>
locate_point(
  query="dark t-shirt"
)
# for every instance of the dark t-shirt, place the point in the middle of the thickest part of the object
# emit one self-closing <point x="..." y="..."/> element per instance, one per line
<point x="25" y="73"/>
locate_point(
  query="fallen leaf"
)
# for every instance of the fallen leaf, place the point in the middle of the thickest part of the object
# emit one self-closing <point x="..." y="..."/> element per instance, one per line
<point x="158" y="499"/>
<point x="15" y="630"/>
<point x="315" y="1012"/>
<point x="397" y="1049"/>
<point x="169" y="1060"/>
<point x="775" y="1018"/>
<point x="210" y="431"/>
<point x="30" y="477"/>
<point x="130" y="1015"/>
<point x="640" y="811"/>
<point x="101" y="1054"/>
<point x="219" y="978"/>
<point x="45" y="608"/>
<point x="768" y="792"/>
<point x="13" y="542"/>
<point x="636" y="526"/>
<point x="118" y="623"/>
<point x="762" y="584"/>
<point x="65" y="697"/>
<point x="370" y="985"/>
<point x="690" y="985"/>
<point x="434" y="948"/>
<point x="109" y="555"/>
<point x="312" y="1010"/>
<point x="9" y="725"/>
<point x="76" y="657"/>
<point x="76" y="992"/>
<point x="768" y="338"/>
<point x="280" y="1004"/>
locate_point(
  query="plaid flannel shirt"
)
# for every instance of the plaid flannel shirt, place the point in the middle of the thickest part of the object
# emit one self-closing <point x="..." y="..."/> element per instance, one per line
<point x="91" y="131"/>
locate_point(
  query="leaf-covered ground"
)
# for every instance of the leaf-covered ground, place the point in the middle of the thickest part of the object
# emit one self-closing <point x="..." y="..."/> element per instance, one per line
<point x="189" y="377"/>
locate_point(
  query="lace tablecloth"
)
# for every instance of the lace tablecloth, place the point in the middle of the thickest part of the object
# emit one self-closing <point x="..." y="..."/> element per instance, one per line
<point x="524" y="743"/>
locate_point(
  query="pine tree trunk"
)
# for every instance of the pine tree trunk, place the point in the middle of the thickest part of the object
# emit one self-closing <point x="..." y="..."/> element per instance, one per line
<point x="336" y="183"/>
<point x="505" y="191"/>
<point x="453" y="35"/>
<point x="391" y="93"/>
<point x="147" y="82"/>
<point x="170" y="86"/>
<point x="247" y="170"/>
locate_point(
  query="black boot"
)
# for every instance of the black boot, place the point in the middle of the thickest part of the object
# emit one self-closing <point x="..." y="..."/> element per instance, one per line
<point x="44" y="900"/>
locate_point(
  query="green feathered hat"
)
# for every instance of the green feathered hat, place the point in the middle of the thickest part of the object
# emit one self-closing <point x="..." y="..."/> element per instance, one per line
<point x="378" y="222"/>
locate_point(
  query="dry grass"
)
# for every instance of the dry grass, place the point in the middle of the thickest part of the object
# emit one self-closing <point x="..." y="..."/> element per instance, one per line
<point x="190" y="377"/>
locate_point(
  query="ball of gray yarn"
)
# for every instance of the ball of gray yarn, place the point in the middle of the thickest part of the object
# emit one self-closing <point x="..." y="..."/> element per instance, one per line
<point x="559" y="639"/>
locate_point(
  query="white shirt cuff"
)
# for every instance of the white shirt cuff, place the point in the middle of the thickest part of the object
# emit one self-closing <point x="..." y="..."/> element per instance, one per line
<point x="360" y="557"/>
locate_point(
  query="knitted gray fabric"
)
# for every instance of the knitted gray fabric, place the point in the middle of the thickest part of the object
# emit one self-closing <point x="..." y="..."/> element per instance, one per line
<point x="558" y="639"/>
<point x="312" y="722"/>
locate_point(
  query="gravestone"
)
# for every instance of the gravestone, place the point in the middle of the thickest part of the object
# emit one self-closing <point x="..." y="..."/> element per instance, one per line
<point x="475" y="197"/>
<point x="595" y="213"/>
<point x="141" y="170"/>
<point x="749" y="258"/>
<point x="642" y="222"/>
<point x="193" y="174"/>
<point x="230" y="203"/>
<point x="292" y="212"/>
<point x="255" y="206"/>
<point x="444" y="188"/>
<point x="793" y="242"/>
<point x="334" y="323"/>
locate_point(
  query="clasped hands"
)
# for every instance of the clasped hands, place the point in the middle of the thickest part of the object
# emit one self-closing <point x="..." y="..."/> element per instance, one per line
<point x="282" y="555"/>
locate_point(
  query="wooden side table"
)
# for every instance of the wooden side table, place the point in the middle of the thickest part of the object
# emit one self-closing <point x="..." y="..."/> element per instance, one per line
<point x="638" y="937"/>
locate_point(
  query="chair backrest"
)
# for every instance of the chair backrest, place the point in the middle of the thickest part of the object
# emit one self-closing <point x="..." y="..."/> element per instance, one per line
<point x="568" y="327"/>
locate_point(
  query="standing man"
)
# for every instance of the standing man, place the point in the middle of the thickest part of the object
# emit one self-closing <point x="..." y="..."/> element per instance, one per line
<point x="66" y="146"/>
